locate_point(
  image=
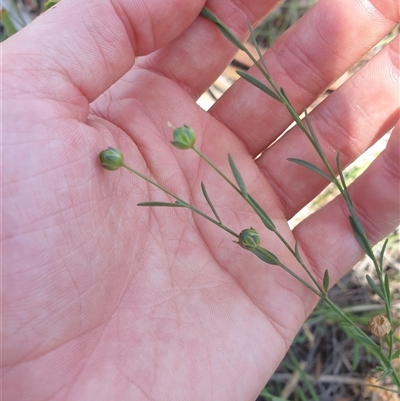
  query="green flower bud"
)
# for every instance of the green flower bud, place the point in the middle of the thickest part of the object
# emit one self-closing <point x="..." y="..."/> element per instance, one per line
<point x="184" y="138"/>
<point x="111" y="159"/>
<point x="249" y="239"/>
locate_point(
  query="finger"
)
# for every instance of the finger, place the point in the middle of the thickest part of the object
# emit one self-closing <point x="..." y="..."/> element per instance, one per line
<point x="79" y="48"/>
<point x="328" y="40"/>
<point x="198" y="57"/>
<point x="327" y="234"/>
<point x="349" y="121"/>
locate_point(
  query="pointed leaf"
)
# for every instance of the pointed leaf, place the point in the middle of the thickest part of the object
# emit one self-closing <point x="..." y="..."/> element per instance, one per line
<point x="261" y="213"/>
<point x="313" y="136"/>
<point x="375" y="288"/>
<point x="356" y="356"/>
<point x="237" y="176"/>
<point x="162" y="204"/>
<point x="266" y="256"/>
<point x="260" y="56"/>
<point x="297" y="253"/>
<point x="310" y="128"/>
<point x="7" y="23"/>
<point x="310" y="167"/>
<point x="50" y="3"/>
<point x="360" y="237"/>
<point x="222" y="27"/>
<point x="363" y="340"/>
<point x="284" y="94"/>
<point x="203" y="188"/>
<point x="258" y="84"/>
<point x="289" y="106"/>
<point x="396" y="354"/>
<point x="382" y="253"/>
<point x="341" y="175"/>
<point x="206" y="13"/>
<point x="387" y="288"/>
<point x="326" y="281"/>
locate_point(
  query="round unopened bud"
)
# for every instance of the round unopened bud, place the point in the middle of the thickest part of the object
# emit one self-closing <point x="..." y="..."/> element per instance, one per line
<point x="379" y="326"/>
<point x="249" y="239"/>
<point x="184" y="138"/>
<point x="111" y="159"/>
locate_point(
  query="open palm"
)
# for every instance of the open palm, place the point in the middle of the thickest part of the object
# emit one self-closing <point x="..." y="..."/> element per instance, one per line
<point x="103" y="300"/>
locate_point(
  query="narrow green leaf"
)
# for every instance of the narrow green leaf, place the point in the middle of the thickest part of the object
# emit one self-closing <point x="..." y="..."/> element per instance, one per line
<point x="266" y="256"/>
<point x="382" y="253"/>
<point x="261" y="213"/>
<point x="375" y="288"/>
<point x="377" y="369"/>
<point x="310" y="167"/>
<point x="356" y="356"/>
<point x="223" y="28"/>
<point x="313" y="136"/>
<point x="237" y="176"/>
<point x="207" y="14"/>
<point x="162" y="204"/>
<point x="387" y="288"/>
<point x="362" y="340"/>
<point x="383" y="372"/>
<point x="289" y="106"/>
<point x="341" y="175"/>
<point x="297" y="253"/>
<point x="391" y="390"/>
<point x="7" y="23"/>
<point x="284" y="94"/>
<point x="260" y="55"/>
<point x="50" y="3"/>
<point x="358" y="232"/>
<point x="268" y="396"/>
<point x="326" y="281"/>
<point x="203" y="188"/>
<point x="258" y="84"/>
<point x="396" y="354"/>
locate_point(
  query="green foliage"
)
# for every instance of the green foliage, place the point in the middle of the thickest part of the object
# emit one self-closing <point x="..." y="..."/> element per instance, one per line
<point x="184" y="138"/>
<point x="8" y="26"/>
<point x="311" y="167"/>
<point x="238" y="177"/>
<point x="50" y="3"/>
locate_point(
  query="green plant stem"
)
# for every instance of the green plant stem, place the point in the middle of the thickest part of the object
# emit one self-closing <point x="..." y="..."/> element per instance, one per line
<point x="293" y="252"/>
<point x="385" y="360"/>
<point x="182" y="202"/>
<point x="298" y="278"/>
<point x="210" y="163"/>
<point x="307" y="131"/>
<point x="282" y="98"/>
<point x="320" y="293"/>
<point x="303" y="375"/>
<point x="280" y="95"/>
<point x="246" y="198"/>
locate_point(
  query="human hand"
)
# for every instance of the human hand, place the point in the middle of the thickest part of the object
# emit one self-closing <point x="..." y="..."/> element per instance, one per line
<point x="103" y="300"/>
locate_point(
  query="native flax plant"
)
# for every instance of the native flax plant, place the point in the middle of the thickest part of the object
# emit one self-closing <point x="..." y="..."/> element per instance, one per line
<point x="249" y="239"/>
<point x="383" y="290"/>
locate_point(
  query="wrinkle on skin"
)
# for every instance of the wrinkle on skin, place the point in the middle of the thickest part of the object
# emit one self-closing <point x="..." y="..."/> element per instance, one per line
<point x="160" y="291"/>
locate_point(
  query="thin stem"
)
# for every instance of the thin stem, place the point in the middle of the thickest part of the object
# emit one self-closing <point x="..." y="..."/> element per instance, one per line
<point x="184" y="203"/>
<point x="292" y="251"/>
<point x="339" y="183"/>
<point x="246" y="198"/>
<point x="293" y="274"/>
<point x="385" y="360"/>
<point x="211" y="164"/>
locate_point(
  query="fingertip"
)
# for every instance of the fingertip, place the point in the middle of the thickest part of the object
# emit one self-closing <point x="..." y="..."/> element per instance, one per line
<point x="84" y="47"/>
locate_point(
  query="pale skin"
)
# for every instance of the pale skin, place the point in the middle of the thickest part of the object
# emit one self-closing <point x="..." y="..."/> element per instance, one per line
<point x="103" y="300"/>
